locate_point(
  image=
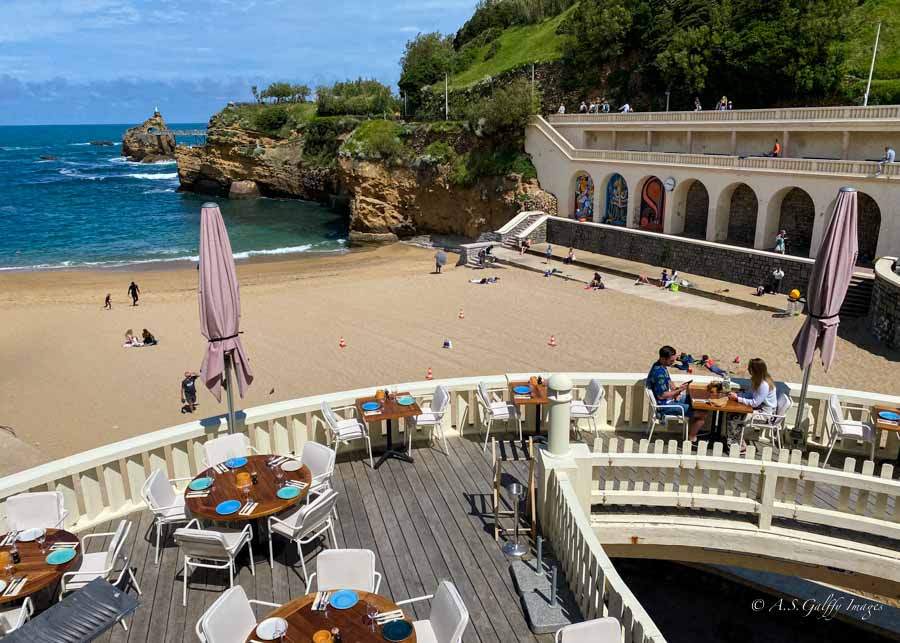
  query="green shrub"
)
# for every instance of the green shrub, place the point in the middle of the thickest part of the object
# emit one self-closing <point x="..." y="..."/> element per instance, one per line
<point x="492" y="50"/>
<point x="439" y="152"/>
<point x="321" y="138"/>
<point x="358" y="97"/>
<point x="507" y="112"/>
<point x="375" y="139"/>
<point x="271" y="119"/>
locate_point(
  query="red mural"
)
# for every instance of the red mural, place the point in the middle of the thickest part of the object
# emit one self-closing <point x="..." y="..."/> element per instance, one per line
<point x="653" y="202"/>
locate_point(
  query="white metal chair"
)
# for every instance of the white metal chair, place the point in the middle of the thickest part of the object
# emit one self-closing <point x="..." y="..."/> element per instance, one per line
<point x="770" y="424"/>
<point x="212" y="549"/>
<point x="493" y="409"/>
<point x="447" y="619"/>
<point x="236" y="445"/>
<point x="304" y="524"/>
<point x="12" y="617"/>
<point x="230" y="618"/>
<point x="35" y="509"/>
<point x="320" y="460"/>
<point x="345" y="569"/>
<point x="167" y="505"/>
<point x="345" y="431"/>
<point x="111" y="565"/>
<point x="433" y="416"/>
<point x="842" y="428"/>
<point x="589" y="407"/>
<point x="599" y="630"/>
<point x="656" y="417"/>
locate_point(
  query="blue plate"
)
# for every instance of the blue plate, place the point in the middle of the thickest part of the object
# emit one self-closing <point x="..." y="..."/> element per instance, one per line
<point x="397" y="630"/>
<point x="288" y="492"/>
<point x="371" y="406"/>
<point x="889" y="415"/>
<point x="406" y="400"/>
<point x="200" y="484"/>
<point x="228" y="507"/>
<point x="343" y="599"/>
<point x="522" y="390"/>
<point x="235" y="463"/>
<point x="61" y="556"/>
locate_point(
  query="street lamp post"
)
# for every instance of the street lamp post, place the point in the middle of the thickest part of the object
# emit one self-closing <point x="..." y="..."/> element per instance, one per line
<point x="667" y="100"/>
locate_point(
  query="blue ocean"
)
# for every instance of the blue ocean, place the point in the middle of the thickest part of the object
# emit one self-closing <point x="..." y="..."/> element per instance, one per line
<point x="90" y="207"/>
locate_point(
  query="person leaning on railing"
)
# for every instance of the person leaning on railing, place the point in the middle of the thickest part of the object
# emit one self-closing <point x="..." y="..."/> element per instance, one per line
<point x="670" y="398"/>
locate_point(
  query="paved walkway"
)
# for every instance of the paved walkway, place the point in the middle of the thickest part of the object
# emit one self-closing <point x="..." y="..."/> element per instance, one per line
<point x="619" y="273"/>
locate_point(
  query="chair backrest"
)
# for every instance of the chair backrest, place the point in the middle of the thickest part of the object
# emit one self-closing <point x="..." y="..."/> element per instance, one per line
<point x="448" y="615"/>
<point x="593" y="395"/>
<point x="599" y="630"/>
<point x="345" y="569"/>
<point x="651" y="397"/>
<point x="483" y="396"/>
<point x="439" y="400"/>
<point x="118" y="541"/>
<point x="834" y="409"/>
<point x="784" y="405"/>
<point x="157" y="491"/>
<point x="202" y="543"/>
<point x="229" y="619"/>
<point x="34" y="509"/>
<point x="315" y="512"/>
<point x="221" y="449"/>
<point x="319" y="459"/>
<point x="329" y="416"/>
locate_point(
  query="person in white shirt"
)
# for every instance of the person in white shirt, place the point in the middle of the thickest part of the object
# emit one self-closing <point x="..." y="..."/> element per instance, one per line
<point x="625" y="108"/>
<point x="763" y="397"/>
<point x="561" y="110"/>
<point x="889" y="157"/>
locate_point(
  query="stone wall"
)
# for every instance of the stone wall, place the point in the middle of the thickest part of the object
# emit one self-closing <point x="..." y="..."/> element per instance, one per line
<point x="884" y="313"/>
<point x="742" y="216"/>
<point x="743" y="266"/>
<point x="696" y="211"/>
<point x="798" y="216"/>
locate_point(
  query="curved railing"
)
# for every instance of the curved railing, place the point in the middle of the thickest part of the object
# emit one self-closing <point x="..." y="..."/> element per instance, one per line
<point x="878" y="112"/>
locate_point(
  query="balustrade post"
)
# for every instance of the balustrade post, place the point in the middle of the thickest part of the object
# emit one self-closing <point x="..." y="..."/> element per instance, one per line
<point x="768" y="484"/>
<point x="560" y="394"/>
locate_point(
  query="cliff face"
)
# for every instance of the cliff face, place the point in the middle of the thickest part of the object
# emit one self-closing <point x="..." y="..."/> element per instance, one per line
<point x="390" y="202"/>
<point x="234" y="155"/>
<point x="138" y="144"/>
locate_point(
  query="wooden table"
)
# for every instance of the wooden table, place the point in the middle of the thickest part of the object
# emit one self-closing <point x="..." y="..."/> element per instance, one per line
<point x="390" y="410"/>
<point x="884" y="425"/>
<point x="225" y="488"/>
<point x="353" y="623"/>
<point x="700" y="392"/>
<point x="537" y="398"/>
<point x="33" y="564"/>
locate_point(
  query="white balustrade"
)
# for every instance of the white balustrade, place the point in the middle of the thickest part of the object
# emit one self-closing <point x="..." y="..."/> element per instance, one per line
<point x="878" y="112"/>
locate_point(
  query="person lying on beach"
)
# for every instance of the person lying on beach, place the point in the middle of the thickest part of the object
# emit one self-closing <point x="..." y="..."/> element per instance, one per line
<point x="148" y="338"/>
<point x="485" y="280"/>
<point x="189" y="392"/>
<point x="131" y="341"/>
<point x="642" y="280"/>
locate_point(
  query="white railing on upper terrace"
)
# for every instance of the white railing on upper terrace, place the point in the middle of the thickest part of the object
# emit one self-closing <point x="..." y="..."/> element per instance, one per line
<point x="877" y="112"/>
<point x="717" y="161"/>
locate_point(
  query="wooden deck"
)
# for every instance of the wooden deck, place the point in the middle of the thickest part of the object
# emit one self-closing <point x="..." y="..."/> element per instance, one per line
<point x="425" y="522"/>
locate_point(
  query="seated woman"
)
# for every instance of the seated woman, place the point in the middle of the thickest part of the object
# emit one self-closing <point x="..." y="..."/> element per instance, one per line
<point x="597" y="282"/>
<point x="570" y="257"/>
<point x="131" y="340"/>
<point x="763" y="397"/>
<point x="149" y="339"/>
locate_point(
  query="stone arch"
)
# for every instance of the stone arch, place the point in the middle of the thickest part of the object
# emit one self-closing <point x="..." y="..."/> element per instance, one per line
<point x="582" y="191"/>
<point x="651" y="204"/>
<point x="743" y="208"/>
<point x="694" y="202"/>
<point x="615" y="200"/>
<point x="797" y="216"/>
<point x="868" y="224"/>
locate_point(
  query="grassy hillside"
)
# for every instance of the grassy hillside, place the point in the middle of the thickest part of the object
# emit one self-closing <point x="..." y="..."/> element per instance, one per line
<point x="518" y="45"/>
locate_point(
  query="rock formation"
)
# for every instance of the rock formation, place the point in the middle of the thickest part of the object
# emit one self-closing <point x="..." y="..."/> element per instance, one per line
<point x="103" y="143"/>
<point x="139" y="144"/>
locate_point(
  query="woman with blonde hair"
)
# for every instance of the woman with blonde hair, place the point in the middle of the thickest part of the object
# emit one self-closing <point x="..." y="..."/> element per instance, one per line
<point x="763" y="396"/>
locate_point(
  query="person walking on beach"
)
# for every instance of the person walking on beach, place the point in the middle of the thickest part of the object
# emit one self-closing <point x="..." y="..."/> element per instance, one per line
<point x="107" y="303"/>
<point x="548" y="253"/>
<point x="189" y="392"/>
<point x="133" y="292"/>
<point x="440" y="258"/>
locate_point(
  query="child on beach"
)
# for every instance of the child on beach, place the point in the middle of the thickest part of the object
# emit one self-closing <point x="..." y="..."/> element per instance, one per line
<point x="107" y="303"/>
<point x="189" y="392"/>
<point x="131" y="341"/>
<point x="548" y="253"/>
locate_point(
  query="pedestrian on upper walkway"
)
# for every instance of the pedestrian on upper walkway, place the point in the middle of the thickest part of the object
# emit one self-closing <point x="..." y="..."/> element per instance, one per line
<point x="583" y="108"/>
<point x="561" y="110"/>
<point x="697" y="106"/>
<point x="604" y="106"/>
<point x="889" y="157"/>
<point x="625" y="108"/>
<point x="776" y="150"/>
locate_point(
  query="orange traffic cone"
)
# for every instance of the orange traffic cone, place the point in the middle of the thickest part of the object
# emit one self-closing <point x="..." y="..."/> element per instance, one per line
<point x="552" y="341"/>
<point x="429" y="375"/>
<point x="342" y="343"/>
<point x="461" y="315"/>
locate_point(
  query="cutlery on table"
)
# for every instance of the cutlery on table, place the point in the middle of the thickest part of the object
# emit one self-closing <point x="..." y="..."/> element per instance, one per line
<point x="297" y="483"/>
<point x="16" y="586"/>
<point x="248" y="508"/>
<point x="63" y="545"/>
<point x="387" y="617"/>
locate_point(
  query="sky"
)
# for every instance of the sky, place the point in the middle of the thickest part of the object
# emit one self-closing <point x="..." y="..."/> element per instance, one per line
<point x="113" y="61"/>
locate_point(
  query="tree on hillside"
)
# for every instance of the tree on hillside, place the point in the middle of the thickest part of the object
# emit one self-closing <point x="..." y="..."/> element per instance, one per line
<point x="300" y="93"/>
<point x="425" y="61"/>
<point x="595" y="35"/>
<point x="280" y="91"/>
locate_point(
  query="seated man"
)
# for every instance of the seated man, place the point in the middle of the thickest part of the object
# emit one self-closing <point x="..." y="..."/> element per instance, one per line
<point x="670" y="397"/>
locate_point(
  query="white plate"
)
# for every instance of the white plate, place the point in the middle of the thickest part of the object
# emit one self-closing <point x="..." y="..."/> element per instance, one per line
<point x="28" y="535"/>
<point x="272" y="628"/>
<point x="291" y="465"/>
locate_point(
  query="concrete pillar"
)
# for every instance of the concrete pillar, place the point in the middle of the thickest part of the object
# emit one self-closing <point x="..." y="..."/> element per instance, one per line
<point x="560" y="394"/>
<point x="767" y="217"/>
<point x="689" y="142"/>
<point x="734" y="142"/>
<point x="673" y="210"/>
<point x="614" y="143"/>
<point x="649" y="140"/>
<point x="845" y="145"/>
<point x="634" y="195"/>
<point x="719" y="211"/>
<point x="785" y="142"/>
<point x="823" y="202"/>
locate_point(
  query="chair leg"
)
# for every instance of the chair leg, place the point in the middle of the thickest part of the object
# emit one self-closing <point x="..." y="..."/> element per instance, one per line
<point x="134" y="581"/>
<point x="124" y="624"/>
<point x="443" y="439"/>
<point x="652" y="426"/>
<point x="333" y="537"/>
<point x="369" y="446"/>
<point x="302" y="563"/>
<point x="158" y="527"/>
<point x="271" y="556"/>
<point x="872" y="450"/>
<point x="252" y="564"/>
<point x="487" y="433"/>
<point x="231" y="572"/>
<point x="833" y="442"/>
<point x="184" y="586"/>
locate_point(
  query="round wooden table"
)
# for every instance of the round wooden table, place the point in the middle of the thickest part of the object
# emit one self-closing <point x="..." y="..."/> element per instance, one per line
<point x="263" y="492"/>
<point x="34" y="565"/>
<point x="353" y="623"/>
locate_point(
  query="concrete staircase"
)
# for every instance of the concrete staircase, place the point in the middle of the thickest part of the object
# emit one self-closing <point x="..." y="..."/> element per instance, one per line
<point x="509" y="235"/>
<point x="859" y="297"/>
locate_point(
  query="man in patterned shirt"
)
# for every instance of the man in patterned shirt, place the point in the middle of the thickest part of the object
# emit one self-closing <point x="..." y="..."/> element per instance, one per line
<point x="669" y="397"/>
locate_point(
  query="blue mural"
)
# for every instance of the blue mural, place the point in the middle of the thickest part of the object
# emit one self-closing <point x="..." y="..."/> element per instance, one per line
<point x="584" y="198"/>
<point x="616" y="201"/>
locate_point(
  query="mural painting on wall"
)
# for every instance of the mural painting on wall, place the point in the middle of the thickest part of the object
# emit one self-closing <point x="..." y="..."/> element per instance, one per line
<point x="616" y="201"/>
<point x="653" y="201"/>
<point x="584" y="198"/>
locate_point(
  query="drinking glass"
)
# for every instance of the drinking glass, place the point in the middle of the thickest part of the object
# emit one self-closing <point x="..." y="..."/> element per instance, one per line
<point x="8" y="564"/>
<point x="246" y="491"/>
<point x="40" y="541"/>
<point x="279" y="473"/>
<point x="371" y="613"/>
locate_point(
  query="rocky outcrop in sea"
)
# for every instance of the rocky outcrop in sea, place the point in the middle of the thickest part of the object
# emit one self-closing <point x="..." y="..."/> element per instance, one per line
<point x="140" y="144"/>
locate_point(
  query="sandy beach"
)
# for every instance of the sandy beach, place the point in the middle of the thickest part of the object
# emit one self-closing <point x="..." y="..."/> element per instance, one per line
<point x="69" y="385"/>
